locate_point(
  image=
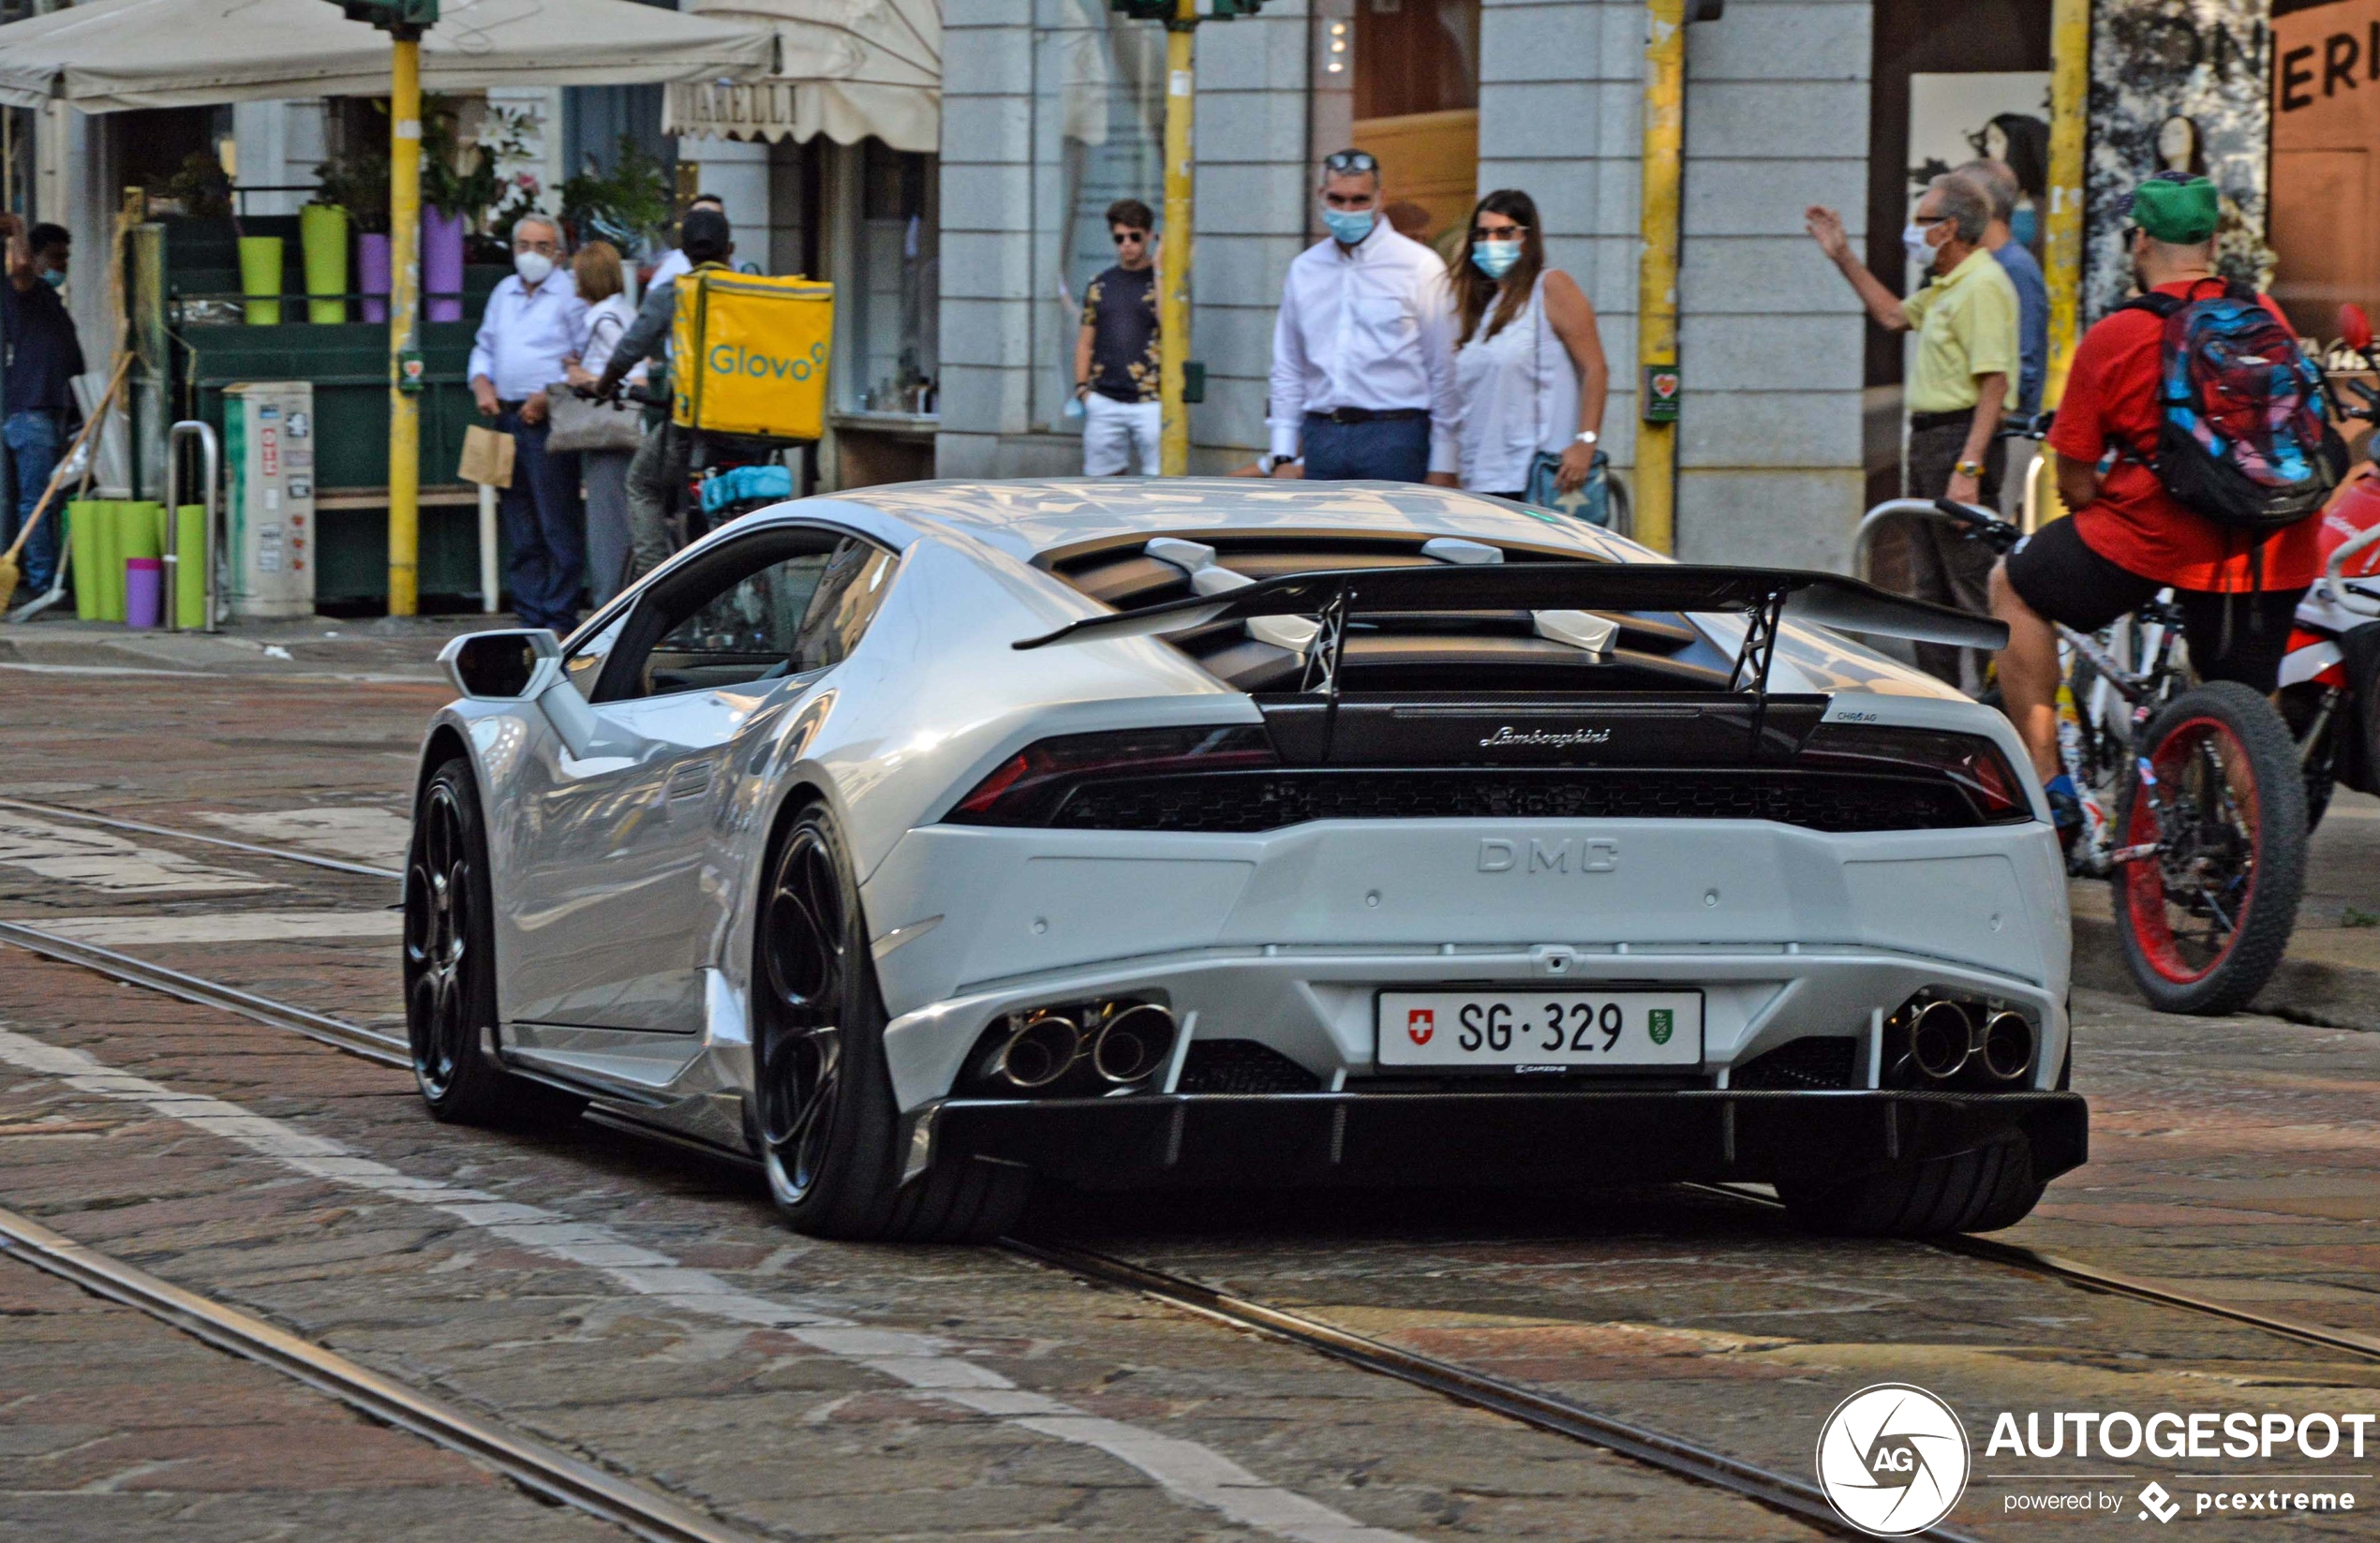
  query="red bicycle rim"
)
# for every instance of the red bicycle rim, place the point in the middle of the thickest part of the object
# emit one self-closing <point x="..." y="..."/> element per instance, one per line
<point x="2176" y="956"/>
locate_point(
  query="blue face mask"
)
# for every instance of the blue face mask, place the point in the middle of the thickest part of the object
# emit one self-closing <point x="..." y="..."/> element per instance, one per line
<point x="2024" y="225"/>
<point x="1495" y="258"/>
<point x="54" y="277"/>
<point x="1348" y="227"/>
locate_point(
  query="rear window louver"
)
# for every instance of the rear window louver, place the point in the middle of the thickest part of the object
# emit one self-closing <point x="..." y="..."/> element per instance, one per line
<point x="1472" y="651"/>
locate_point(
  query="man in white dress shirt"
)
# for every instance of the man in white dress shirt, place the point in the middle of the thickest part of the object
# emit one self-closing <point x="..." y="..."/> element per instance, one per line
<point x="1364" y="349"/>
<point x="534" y="327"/>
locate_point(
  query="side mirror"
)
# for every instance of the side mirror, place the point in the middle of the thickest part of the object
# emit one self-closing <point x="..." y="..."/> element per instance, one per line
<point x="509" y="666"/>
<point x="2354" y="328"/>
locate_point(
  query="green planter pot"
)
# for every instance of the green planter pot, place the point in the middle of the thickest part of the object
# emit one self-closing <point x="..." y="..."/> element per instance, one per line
<point x="323" y="234"/>
<point x="189" y="601"/>
<point x="260" y="280"/>
<point x="84" y="516"/>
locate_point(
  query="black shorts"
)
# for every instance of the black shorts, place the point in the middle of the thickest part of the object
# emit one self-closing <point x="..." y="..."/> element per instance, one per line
<point x="2240" y="637"/>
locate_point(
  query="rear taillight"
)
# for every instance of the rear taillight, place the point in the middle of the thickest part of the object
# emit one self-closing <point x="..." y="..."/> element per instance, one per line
<point x="1970" y="760"/>
<point x="1028" y="787"/>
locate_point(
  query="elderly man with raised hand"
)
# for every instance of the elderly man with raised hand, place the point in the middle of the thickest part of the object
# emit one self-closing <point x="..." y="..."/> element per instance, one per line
<point x="1966" y="321"/>
<point x="534" y="329"/>
<point x="1363" y="349"/>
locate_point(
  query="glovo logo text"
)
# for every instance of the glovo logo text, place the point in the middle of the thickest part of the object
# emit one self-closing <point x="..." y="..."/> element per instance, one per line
<point x="735" y="359"/>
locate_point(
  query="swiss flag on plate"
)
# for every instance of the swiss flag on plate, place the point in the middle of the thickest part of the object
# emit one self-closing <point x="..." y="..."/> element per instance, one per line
<point x="1420" y="1024"/>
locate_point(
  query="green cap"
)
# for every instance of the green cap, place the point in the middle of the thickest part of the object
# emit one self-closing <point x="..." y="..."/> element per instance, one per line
<point x="2177" y="210"/>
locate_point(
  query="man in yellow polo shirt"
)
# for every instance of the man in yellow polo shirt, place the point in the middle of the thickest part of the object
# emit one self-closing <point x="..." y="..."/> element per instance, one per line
<point x="1967" y="355"/>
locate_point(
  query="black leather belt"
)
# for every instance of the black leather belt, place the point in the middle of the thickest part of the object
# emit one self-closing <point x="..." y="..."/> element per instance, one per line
<point x="1921" y="421"/>
<point x="1369" y="415"/>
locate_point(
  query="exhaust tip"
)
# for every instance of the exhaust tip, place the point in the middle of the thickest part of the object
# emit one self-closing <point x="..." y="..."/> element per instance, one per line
<point x="1040" y="1051"/>
<point x="1940" y="1038"/>
<point x="2008" y="1046"/>
<point x="1132" y="1043"/>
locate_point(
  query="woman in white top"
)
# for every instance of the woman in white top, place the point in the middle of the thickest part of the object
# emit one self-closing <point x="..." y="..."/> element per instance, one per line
<point x="601" y="283"/>
<point x="1529" y="367"/>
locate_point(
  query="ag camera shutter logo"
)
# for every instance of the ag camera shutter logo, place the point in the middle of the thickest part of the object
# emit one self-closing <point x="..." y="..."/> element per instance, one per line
<point x="1893" y="1459"/>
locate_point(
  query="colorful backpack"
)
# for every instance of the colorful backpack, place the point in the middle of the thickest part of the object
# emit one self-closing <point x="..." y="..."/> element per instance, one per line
<point x="2245" y="436"/>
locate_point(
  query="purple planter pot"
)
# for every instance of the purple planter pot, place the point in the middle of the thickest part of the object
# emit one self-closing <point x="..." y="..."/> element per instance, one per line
<point x="372" y="272"/>
<point x="442" y="264"/>
<point x="144" y="591"/>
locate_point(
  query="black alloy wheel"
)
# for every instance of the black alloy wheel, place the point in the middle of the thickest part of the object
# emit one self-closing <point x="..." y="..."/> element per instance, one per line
<point x="824" y="1123"/>
<point x="804" y="945"/>
<point x="450" y="980"/>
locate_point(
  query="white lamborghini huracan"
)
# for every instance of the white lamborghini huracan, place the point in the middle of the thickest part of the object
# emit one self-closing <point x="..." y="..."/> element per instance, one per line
<point x="920" y="840"/>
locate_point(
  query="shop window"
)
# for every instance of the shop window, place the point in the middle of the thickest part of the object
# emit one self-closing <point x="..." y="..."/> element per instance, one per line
<point x="1098" y="136"/>
<point x="1417" y="100"/>
<point x="895" y="364"/>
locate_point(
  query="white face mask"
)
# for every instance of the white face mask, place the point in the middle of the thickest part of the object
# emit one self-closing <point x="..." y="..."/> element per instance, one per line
<point x="533" y="267"/>
<point x="1918" y="240"/>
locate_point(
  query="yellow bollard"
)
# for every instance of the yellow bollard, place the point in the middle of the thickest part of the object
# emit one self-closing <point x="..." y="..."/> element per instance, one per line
<point x="1664" y="175"/>
<point x="404" y="303"/>
<point x="2063" y="221"/>
<point x="1173" y="261"/>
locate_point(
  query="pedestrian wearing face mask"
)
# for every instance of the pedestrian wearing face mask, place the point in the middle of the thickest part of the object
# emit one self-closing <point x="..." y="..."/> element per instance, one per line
<point x="535" y="326"/>
<point x="1363" y="349"/>
<point x="44" y="357"/>
<point x="1529" y="369"/>
<point x="1968" y="356"/>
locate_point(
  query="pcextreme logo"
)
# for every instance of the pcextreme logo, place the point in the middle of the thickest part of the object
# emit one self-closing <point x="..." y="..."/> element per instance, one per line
<point x="1891" y="1459"/>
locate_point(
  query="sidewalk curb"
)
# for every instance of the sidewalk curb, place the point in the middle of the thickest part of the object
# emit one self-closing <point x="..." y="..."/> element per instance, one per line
<point x="2302" y="990"/>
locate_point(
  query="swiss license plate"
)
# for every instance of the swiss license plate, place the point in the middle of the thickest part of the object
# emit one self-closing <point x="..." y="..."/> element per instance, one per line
<point x="1541" y="1031"/>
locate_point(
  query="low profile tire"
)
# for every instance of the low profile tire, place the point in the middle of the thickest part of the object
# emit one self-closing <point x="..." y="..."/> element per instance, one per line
<point x="826" y="1126"/>
<point x="450" y="953"/>
<point x="1979" y="1191"/>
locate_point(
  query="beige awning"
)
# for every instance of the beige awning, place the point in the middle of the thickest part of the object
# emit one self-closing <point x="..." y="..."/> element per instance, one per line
<point x="111" y="56"/>
<point x="847" y="69"/>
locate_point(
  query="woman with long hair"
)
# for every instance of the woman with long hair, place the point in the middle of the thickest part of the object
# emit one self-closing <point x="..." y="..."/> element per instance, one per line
<point x="1529" y="366"/>
<point x="603" y="285"/>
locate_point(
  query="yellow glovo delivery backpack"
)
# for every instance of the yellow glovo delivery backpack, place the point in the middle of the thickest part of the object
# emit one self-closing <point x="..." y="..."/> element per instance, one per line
<point x="750" y="354"/>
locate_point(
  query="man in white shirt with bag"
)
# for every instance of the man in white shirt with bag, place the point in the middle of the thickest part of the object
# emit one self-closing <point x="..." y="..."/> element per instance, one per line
<point x="1363" y="349"/>
<point x="534" y="325"/>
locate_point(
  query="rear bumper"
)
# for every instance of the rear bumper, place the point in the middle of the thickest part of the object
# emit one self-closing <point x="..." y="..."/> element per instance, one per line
<point x="1569" y="1139"/>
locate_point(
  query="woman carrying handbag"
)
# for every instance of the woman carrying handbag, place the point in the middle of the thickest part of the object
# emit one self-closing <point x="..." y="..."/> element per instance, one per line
<point x="611" y="430"/>
<point x="1530" y="369"/>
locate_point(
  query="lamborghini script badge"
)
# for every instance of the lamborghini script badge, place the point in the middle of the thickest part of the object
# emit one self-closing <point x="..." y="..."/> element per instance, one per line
<point x="1509" y="737"/>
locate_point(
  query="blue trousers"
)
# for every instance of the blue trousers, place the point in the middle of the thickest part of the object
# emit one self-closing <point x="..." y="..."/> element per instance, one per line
<point x="1393" y="450"/>
<point x="34" y="437"/>
<point x="545" y="528"/>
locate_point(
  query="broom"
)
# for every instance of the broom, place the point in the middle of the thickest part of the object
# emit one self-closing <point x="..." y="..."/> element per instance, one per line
<point x="8" y="573"/>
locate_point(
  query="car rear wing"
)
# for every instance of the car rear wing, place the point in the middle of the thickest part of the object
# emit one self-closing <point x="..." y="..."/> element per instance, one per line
<point x="1764" y="595"/>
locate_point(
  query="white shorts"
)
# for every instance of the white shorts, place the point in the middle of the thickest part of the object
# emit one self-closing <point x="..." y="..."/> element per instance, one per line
<point x="1113" y="432"/>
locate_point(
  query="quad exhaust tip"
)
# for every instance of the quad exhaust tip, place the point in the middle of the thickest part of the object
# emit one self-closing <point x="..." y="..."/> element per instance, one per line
<point x="1040" y="1051"/>
<point x="1125" y="1042"/>
<point x="1940" y="1038"/>
<point x="1132" y="1043"/>
<point x="2008" y="1046"/>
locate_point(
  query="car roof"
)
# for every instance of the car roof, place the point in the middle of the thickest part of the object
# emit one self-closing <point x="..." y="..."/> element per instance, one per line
<point x="1024" y="518"/>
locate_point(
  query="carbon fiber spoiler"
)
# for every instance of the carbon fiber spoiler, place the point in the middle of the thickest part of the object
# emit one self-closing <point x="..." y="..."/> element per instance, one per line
<point x="1763" y="594"/>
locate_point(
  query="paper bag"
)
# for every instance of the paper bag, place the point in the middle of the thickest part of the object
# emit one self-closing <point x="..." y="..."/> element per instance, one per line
<point x="487" y="457"/>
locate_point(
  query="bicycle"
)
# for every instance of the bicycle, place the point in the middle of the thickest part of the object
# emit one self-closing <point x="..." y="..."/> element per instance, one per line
<point x="2206" y="846"/>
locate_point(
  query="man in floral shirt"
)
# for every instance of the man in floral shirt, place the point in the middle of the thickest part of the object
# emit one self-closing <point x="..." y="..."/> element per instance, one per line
<point x="1116" y="356"/>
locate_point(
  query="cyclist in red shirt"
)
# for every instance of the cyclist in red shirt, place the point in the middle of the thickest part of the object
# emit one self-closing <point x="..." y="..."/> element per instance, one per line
<point x="2129" y="538"/>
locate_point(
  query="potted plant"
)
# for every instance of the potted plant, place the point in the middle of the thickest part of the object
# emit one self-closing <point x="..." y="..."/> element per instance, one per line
<point x="359" y="184"/>
<point x="627" y="205"/>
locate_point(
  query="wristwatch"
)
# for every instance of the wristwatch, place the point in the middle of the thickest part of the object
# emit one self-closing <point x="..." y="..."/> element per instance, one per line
<point x="1589" y="439"/>
<point x="1967" y="468"/>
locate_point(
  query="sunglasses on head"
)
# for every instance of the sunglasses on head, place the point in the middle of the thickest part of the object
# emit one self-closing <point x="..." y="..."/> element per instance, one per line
<point x="1351" y="161"/>
<point x="1121" y="236"/>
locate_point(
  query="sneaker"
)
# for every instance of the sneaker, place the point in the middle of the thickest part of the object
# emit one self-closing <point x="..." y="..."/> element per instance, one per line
<point x="2065" y="811"/>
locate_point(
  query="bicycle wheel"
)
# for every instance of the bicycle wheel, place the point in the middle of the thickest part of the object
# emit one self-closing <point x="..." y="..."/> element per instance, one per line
<point x="2206" y="914"/>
